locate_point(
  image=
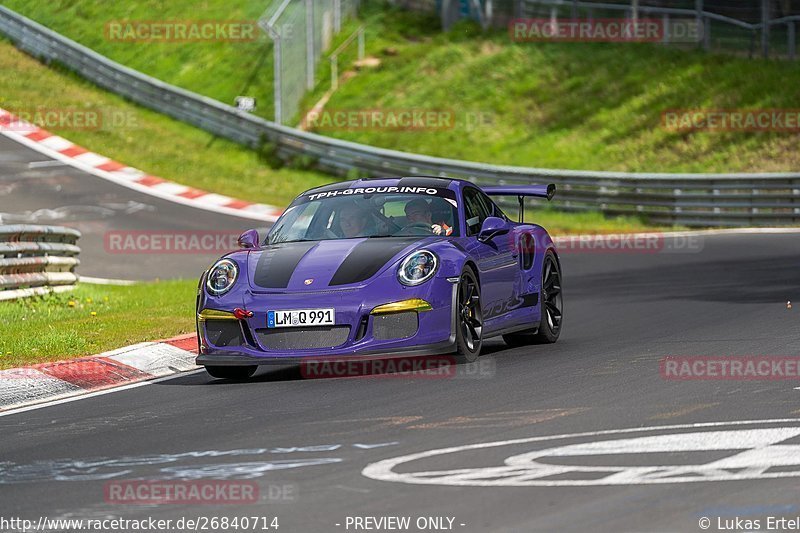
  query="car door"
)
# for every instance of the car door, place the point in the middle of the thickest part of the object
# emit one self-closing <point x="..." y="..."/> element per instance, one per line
<point x="496" y="259"/>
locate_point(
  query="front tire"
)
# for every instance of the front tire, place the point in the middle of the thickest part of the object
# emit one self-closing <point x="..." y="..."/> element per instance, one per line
<point x="238" y="373"/>
<point x="469" y="318"/>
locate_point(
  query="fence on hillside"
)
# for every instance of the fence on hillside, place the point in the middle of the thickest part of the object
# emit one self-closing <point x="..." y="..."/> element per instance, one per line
<point x="301" y="31"/>
<point x="766" y="28"/>
<point x="756" y="27"/>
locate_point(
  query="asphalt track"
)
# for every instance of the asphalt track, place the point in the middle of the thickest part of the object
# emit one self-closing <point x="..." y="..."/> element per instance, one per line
<point x="35" y="189"/>
<point x="305" y="442"/>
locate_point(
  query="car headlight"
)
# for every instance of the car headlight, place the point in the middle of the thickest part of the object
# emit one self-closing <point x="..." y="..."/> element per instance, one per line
<point x="221" y="277"/>
<point x="418" y="268"/>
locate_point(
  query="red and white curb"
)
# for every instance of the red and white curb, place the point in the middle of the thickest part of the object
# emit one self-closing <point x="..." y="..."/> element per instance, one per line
<point x="20" y="387"/>
<point x="59" y="148"/>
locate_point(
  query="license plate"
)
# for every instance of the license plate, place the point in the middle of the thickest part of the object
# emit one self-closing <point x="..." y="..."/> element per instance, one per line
<point x="301" y="317"/>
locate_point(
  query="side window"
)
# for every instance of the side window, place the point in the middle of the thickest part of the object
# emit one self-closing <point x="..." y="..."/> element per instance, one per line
<point x="475" y="209"/>
<point x="491" y="207"/>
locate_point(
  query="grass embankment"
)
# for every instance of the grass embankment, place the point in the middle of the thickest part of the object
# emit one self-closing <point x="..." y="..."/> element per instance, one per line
<point x="594" y="106"/>
<point x="559" y="105"/>
<point x="93" y="319"/>
<point x="63" y="326"/>
<point x="221" y="69"/>
<point x="181" y="153"/>
<point x="144" y="139"/>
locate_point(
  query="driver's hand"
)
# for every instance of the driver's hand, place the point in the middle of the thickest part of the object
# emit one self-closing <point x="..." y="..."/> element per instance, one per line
<point x="437" y="229"/>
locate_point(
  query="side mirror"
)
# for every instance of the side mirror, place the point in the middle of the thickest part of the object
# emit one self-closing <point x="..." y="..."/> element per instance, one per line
<point x="249" y="239"/>
<point x="492" y="227"/>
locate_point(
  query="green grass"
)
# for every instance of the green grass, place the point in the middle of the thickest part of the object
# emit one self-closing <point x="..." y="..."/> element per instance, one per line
<point x="220" y="69"/>
<point x="147" y="140"/>
<point x="61" y="326"/>
<point x="171" y="149"/>
<point x="558" y="105"/>
<point x="565" y="105"/>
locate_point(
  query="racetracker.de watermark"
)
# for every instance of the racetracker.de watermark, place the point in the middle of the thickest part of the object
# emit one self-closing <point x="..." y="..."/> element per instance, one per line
<point x="719" y="120"/>
<point x="193" y="492"/>
<point x="412" y="367"/>
<point x="634" y="243"/>
<point x="66" y="118"/>
<point x="380" y="119"/>
<point x="730" y="368"/>
<point x="175" y="31"/>
<point x="641" y="30"/>
<point x="170" y="242"/>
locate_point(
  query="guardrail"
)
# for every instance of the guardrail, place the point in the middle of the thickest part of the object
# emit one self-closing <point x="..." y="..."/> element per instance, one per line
<point x="37" y="259"/>
<point x="694" y="200"/>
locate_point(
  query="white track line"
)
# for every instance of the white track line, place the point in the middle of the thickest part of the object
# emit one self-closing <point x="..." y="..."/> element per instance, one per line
<point x="105" y="281"/>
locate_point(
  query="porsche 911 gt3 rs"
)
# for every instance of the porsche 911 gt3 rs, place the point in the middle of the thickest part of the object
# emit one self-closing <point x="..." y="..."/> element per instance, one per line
<point x="378" y="268"/>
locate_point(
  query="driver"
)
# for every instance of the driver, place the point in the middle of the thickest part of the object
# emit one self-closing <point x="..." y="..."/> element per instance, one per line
<point x="418" y="211"/>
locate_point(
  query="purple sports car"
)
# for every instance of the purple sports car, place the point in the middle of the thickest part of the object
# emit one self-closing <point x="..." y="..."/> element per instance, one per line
<point x="378" y="268"/>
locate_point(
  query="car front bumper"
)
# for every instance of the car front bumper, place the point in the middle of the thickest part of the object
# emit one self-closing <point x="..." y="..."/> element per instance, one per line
<point x="434" y="333"/>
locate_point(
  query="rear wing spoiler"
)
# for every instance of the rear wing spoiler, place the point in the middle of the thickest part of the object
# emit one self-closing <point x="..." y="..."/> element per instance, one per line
<point x="540" y="191"/>
<point x="521" y="191"/>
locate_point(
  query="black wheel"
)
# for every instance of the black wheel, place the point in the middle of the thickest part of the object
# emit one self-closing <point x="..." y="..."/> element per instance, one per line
<point x="469" y="318"/>
<point x="552" y="309"/>
<point x="231" y="372"/>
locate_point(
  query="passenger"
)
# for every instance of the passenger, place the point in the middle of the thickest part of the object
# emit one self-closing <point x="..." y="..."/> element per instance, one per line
<point x="418" y="212"/>
<point x="353" y="221"/>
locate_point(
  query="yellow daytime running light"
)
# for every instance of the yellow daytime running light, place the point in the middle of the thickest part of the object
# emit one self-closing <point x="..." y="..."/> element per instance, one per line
<point x="415" y="304"/>
<point x="215" y="314"/>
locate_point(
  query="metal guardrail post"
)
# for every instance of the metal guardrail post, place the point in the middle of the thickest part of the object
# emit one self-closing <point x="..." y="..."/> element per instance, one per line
<point x="795" y="200"/>
<point x="337" y="15"/>
<point x="311" y="66"/>
<point x="276" y="34"/>
<point x="334" y="72"/>
<point x="765" y="28"/>
<point x="278" y="81"/>
<point x="701" y="22"/>
<point x="334" y="57"/>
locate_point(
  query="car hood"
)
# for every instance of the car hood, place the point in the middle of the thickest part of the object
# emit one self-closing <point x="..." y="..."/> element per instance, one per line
<point x="331" y="264"/>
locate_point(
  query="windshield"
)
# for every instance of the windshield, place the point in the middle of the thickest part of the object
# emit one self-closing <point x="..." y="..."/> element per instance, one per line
<point x="368" y="212"/>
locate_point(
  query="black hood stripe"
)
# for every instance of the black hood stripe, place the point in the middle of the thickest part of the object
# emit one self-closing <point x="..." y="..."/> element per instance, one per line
<point x="277" y="264"/>
<point x="368" y="257"/>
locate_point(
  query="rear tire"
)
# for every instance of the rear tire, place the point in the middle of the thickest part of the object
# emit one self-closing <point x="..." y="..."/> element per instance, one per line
<point x="469" y="318"/>
<point x="552" y="306"/>
<point x="238" y="373"/>
<point x="552" y="302"/>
